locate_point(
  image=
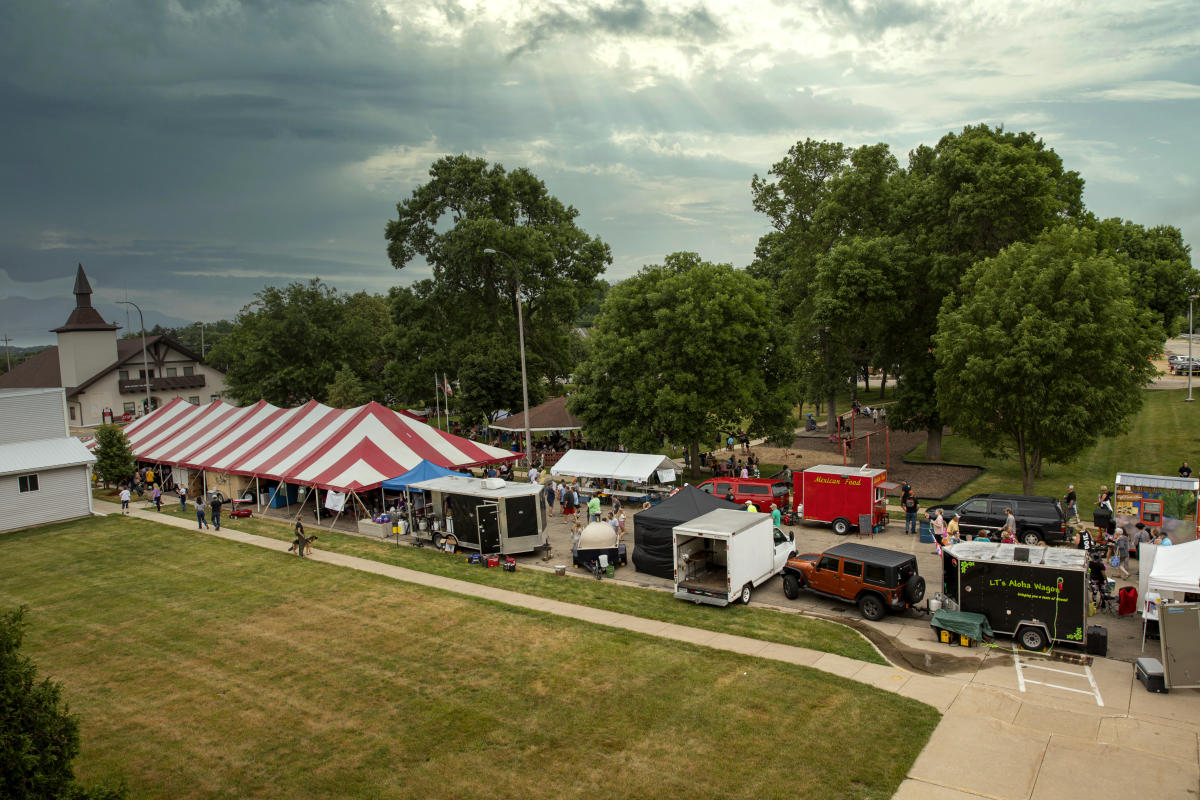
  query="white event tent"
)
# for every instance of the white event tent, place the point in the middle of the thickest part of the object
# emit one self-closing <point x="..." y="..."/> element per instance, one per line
<point x="637" y="467"/>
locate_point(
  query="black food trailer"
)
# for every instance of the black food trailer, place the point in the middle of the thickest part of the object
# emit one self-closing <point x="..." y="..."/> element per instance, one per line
<point x="488" y="515"/>
<point x="1037" y="595"/>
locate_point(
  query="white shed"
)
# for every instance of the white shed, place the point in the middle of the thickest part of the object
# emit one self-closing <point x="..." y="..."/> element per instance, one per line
<point x="44" y="473"/>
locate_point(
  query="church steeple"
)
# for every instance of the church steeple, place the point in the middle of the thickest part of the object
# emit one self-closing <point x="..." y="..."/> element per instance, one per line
<point x="84" y="317"/>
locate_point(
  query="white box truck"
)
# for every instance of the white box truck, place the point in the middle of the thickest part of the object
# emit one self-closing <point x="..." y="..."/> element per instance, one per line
<point x="721" y="556"/>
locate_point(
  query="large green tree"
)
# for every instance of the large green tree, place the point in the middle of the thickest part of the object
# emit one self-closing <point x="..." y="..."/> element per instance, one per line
<point x="960" y="202"/>
<point x="1159" y="263"/>
<point x="541" y="256"/>
<point x="39" y="737"/>
<point x="822" y="196"/>
<point x="1046" y="352"/>
<point x="287" y="346"/>
<point x="690" y="349"/>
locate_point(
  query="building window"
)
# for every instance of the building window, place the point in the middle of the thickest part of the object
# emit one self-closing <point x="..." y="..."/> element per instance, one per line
<point x="170" y="372"/>
<point x="188" y="371"/>
<point x="27" y="483"/>
<point x="123" y="374"/>
<point x="130" y="408"/>
<point x="142" y="374"/>
<point x="71" y="412"/>
<point x="194" y="399"/>
<point x="215" y="397"/>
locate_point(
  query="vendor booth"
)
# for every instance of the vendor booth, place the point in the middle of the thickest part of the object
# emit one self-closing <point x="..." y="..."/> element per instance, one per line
<point x="488" y="515"/>
<point x="641" y="468"/>
<point x="1159" y="502"/>
<point x="416" y="504"/>
<point x="1170" y="583"/>
<point x="1037" y="595"/>
<point x="653" y="528"/>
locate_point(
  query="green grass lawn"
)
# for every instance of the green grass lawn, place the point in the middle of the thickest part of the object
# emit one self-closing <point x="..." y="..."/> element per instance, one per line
<point x="1164" y="433"/>
<point x="759" y="623"/>
<point x="205" y="668"/>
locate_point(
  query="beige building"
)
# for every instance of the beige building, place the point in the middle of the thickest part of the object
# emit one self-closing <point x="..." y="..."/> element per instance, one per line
<point x="105" y="377"/>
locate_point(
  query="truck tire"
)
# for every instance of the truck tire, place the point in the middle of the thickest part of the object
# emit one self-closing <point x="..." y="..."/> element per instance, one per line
<point x="914" y="589"/>
<point x="872" y="607"/>
<point x="1032" y="637"/>
<point x="841" y="526"/>
<point x="747" y="590"/>
<point x="791" y="586"/>
<point x="1031" y="538"/>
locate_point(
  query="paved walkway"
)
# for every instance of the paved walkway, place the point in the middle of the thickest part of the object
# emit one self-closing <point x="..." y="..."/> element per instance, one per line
<point x="1069" y="734"/>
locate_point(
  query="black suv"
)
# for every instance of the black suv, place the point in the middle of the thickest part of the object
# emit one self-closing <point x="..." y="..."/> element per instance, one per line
<point x="1039" y="519"/>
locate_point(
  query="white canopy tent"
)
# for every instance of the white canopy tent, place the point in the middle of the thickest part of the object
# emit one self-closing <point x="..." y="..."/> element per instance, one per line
<point x="637" y="467"/>
<point x="1176" y="569"/>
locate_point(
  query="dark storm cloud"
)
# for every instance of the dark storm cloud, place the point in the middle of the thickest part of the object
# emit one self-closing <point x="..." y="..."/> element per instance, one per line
<point x="625" y="17"/>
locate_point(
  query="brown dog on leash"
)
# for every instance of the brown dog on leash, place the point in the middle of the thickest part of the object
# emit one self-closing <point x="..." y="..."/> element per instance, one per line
<point x="302" y="546"/>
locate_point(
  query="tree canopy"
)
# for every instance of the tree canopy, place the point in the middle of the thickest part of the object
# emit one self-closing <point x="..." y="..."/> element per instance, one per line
<point x="1046" y="350"/>
<point x="541" y="256"/>
<point x="688" y="348"/>
<point x="39" y="738"/>
<point x="287" y="346"/>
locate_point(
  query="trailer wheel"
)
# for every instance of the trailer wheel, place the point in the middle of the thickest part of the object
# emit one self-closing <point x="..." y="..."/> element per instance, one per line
<point x="872" y="607"/>
<point x="1032" y="637"/>
<point x="841" y="526"/>
<point x="914" y="589"/>
<point x="791" y="586"/>
<point x="745" y="596"/>
<point x="1031" y="538"/>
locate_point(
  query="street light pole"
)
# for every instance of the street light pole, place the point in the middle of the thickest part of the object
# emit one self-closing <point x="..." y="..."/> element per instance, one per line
<point x="521" y="338"/>
<point x="145" y="361"/>
<point x="1191" y="364"/>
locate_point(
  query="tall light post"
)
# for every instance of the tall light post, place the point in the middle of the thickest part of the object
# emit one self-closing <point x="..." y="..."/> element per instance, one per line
<point x="1191" y="364"/>
<point x="145" y="361"/>
<point x="521" y="336"/>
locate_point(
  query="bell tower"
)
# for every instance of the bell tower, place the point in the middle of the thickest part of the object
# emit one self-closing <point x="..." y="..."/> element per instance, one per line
<point x="86" y="343"/>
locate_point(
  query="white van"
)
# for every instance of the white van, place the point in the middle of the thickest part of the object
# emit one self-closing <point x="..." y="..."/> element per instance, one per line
<point x="721" y="556"/>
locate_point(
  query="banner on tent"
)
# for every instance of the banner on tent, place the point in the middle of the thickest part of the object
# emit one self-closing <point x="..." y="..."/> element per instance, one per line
<point x="335" y="501"/>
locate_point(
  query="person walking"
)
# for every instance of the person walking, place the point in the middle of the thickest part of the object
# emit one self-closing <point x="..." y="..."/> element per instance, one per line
<point x="621" y="525"/>
<point x="1121" y="553"/>
<point x="201" y="522"/>
<point x="1071" y="502"/>
<point x="183" y="498"/>
<point x="551" y="491"/>
<point x="157" y="496"/>
<point x="214" y="506"/>
<point x="1008" y="531"/>
<point x="124" y="499"/>
<point x="911" y="506"/>
<point x="939" y="531"/>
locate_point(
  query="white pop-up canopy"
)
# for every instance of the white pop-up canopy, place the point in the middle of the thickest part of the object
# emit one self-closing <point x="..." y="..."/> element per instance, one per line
<point x="1176" y="569"/>
<point x="639" y="467"/>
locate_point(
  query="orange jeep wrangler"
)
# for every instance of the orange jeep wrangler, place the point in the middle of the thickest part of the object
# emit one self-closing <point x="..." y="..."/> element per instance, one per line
<point x="878" y="580"/>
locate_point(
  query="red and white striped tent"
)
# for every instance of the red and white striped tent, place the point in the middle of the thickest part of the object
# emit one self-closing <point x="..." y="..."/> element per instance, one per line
<point x="343" y="450"/>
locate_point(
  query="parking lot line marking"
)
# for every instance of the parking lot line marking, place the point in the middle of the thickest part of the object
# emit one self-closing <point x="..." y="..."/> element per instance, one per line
<point x="1022" y="681"/>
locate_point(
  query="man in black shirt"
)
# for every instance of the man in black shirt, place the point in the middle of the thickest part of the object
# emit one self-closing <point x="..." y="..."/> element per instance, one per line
<point x="1185" y="471"/>
<point x="214" y="506"/>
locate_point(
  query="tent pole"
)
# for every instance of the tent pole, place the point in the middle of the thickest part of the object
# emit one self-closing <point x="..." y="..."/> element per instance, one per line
<point x="257" y="496"/>
<point x="317" y="504"/>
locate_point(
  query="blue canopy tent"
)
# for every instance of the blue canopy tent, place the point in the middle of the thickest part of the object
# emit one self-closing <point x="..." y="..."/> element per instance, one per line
<point x="424" y="471"/>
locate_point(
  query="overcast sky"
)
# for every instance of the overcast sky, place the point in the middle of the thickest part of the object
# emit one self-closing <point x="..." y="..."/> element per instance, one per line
<point x="190" y="152"/>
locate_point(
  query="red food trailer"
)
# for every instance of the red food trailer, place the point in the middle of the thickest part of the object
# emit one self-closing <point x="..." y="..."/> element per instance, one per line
<point x="842" y="496"/>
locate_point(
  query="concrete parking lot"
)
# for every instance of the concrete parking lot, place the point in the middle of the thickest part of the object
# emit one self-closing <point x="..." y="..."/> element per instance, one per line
<point x="905" y="638"/>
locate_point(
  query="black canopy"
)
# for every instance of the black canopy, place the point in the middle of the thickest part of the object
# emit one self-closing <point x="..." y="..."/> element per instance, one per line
<point x="652" y="528"/>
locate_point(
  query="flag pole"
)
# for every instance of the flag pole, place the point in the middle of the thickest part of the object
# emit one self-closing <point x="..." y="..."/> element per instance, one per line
<point x="437" y="399"/>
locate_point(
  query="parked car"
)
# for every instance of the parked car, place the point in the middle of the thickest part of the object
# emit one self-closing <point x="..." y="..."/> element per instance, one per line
<point x="760" y="491"/>
<point x="1185" y="367"/>
<point x="876" y="579"/>
<point x="1039" y="519"/>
